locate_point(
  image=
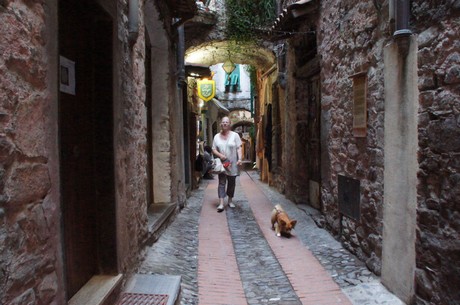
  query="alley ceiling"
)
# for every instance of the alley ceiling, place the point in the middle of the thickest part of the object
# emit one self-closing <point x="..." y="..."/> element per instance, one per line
<point x="215" y="52"/>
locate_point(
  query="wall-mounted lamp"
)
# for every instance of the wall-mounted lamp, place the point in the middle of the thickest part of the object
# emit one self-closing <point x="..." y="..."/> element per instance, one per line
<point x="228" y="66"/>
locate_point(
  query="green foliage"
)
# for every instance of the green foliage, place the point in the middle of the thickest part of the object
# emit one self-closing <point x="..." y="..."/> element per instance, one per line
<point x="252" y="132"/>
<point x="252" y="71"/>
<point x="247" y="17"/>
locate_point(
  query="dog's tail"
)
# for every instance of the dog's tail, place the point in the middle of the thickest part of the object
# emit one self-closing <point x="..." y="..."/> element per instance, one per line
<point x="278" y="208"/>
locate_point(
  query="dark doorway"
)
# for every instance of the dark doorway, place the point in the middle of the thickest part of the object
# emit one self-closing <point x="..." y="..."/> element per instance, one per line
<point x="86" y="144"/>
<point x="308" y="73"/>
<point x="314" y="140"/>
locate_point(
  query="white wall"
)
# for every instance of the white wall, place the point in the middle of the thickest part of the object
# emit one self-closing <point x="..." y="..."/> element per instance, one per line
<point x="245" y="83"/>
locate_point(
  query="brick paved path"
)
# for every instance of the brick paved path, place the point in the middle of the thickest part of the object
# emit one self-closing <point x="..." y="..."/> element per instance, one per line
<point x="235" y="258"/>
<point x="219" y="280"/>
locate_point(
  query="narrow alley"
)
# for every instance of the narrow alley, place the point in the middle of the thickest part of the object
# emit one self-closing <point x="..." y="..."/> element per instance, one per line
<point x="235" y="258"/>
<point x="345" y="112"/>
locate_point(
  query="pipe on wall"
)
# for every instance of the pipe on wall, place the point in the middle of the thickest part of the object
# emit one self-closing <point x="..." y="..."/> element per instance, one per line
<point x="181" y="55"/>
<point x="402" y="12"/>
<point x="402" y="32"/>
<point x="133" y="21"/>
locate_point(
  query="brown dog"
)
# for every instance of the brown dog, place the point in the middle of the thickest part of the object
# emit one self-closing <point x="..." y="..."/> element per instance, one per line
<point x="281" y="222"/>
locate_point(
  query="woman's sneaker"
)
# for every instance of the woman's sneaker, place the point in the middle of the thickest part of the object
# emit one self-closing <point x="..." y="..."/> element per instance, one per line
<point x="220" y="208"/>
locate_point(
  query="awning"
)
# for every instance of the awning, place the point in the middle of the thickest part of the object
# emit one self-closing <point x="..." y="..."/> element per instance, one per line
<point x="197" y="70"/>
<point x="289" y="19"/>
<point x="220" y="106"/>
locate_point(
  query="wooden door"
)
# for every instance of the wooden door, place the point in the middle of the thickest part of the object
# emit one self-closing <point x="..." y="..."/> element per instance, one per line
<point x="86" y="144"/>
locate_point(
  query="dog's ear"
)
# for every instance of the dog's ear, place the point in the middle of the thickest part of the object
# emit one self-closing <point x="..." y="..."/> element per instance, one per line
<point x="293" y="223"/>
<point x="282" y="222"/>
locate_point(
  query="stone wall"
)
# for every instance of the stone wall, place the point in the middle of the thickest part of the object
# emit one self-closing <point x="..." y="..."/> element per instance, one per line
<point x="351" y="38"/>
<point x="130" y="140"/>
<point x="351" y="35"/>
<point x="438" y="234"/>
<point x="31" y="261"/>
<point x="212" y="32"/>
<point x="29" y="206"/>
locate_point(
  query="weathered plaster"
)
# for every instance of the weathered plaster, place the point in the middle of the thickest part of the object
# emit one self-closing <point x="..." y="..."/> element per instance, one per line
<point x="400" y="175"/>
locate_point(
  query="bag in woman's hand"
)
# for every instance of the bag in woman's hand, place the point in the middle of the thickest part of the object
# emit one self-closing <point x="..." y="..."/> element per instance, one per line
<point x="226" y="164"/>
<point x="217" y="166"/>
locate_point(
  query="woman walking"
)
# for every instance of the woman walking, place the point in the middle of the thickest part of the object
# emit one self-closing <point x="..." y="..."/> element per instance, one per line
<point x="227" y="146"/>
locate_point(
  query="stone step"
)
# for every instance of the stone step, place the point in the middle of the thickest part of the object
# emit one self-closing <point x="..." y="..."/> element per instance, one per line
<point x="153" y="286"/>
<point x="100" y="290"/>
<point x="159" y="216"/>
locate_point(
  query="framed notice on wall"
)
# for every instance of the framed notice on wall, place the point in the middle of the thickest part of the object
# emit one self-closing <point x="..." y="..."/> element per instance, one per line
<point x="66" y="75"/>
<point x="359" y="104"/>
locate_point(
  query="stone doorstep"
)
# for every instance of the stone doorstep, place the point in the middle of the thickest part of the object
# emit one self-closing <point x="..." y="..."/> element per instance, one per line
<point x="158" y="214"/>
<point x="97" y="291"/>
<point x="158" y="217"/>
<point x="155" y="284"/>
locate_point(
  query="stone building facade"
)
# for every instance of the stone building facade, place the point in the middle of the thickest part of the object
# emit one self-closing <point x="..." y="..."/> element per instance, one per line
<point x="86" y="146"/>
<point x="389" y="194"/>
<point x="438" y="189"/>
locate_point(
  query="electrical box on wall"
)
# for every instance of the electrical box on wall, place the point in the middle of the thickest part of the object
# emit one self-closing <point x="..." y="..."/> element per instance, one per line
<point x="349" y="197"/>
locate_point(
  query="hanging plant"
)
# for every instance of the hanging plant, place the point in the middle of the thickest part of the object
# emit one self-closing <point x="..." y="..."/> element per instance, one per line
<point x="247" y="17"/>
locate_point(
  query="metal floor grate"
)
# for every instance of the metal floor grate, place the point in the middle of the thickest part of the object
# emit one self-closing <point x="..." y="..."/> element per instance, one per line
<point x="143" y="299"/>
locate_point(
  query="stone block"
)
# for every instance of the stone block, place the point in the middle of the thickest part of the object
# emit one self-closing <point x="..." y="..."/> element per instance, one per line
<point x="27" y="183"/>
<point x="27" y="297"/>
<point x="48" y="288"/>
<point x="30" y="128"/>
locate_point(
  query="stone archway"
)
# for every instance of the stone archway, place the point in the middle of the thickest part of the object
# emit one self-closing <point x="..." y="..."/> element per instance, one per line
<point x="214" y="52"/>
<point x="259" y="57"/>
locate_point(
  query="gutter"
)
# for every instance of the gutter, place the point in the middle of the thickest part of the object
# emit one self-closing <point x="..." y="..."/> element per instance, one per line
<point x="402" y="32"/>
<point x="133" y="21"/>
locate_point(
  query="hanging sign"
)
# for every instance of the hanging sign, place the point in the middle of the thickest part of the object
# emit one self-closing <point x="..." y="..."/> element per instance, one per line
<point x="206" y="89"/>
<point x="359" y="104"/>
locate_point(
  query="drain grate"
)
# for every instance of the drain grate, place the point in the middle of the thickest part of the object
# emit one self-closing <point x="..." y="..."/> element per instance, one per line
<point x="143" y="299"/>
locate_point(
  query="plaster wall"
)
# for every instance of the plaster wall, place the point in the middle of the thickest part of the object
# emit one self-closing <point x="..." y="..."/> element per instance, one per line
<point x="161" y="95"/>
<point x="400" y="175"/>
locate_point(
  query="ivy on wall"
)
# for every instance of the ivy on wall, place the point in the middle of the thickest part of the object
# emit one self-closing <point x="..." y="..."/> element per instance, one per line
<point x="247" y="17"/>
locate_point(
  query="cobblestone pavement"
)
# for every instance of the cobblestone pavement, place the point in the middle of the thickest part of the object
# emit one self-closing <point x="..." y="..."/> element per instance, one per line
<point x="263" y="278"/>
<point x="264" y="282"/>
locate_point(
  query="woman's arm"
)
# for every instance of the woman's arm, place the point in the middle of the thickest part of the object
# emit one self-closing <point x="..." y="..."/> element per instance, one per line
<point x="240" y="157"/>
<point x="218" y="154"/>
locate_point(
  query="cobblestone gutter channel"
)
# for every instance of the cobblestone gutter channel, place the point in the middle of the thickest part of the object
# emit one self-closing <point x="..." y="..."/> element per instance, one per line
<point x="176" y="251"/>
<point x="264" y="281"/>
